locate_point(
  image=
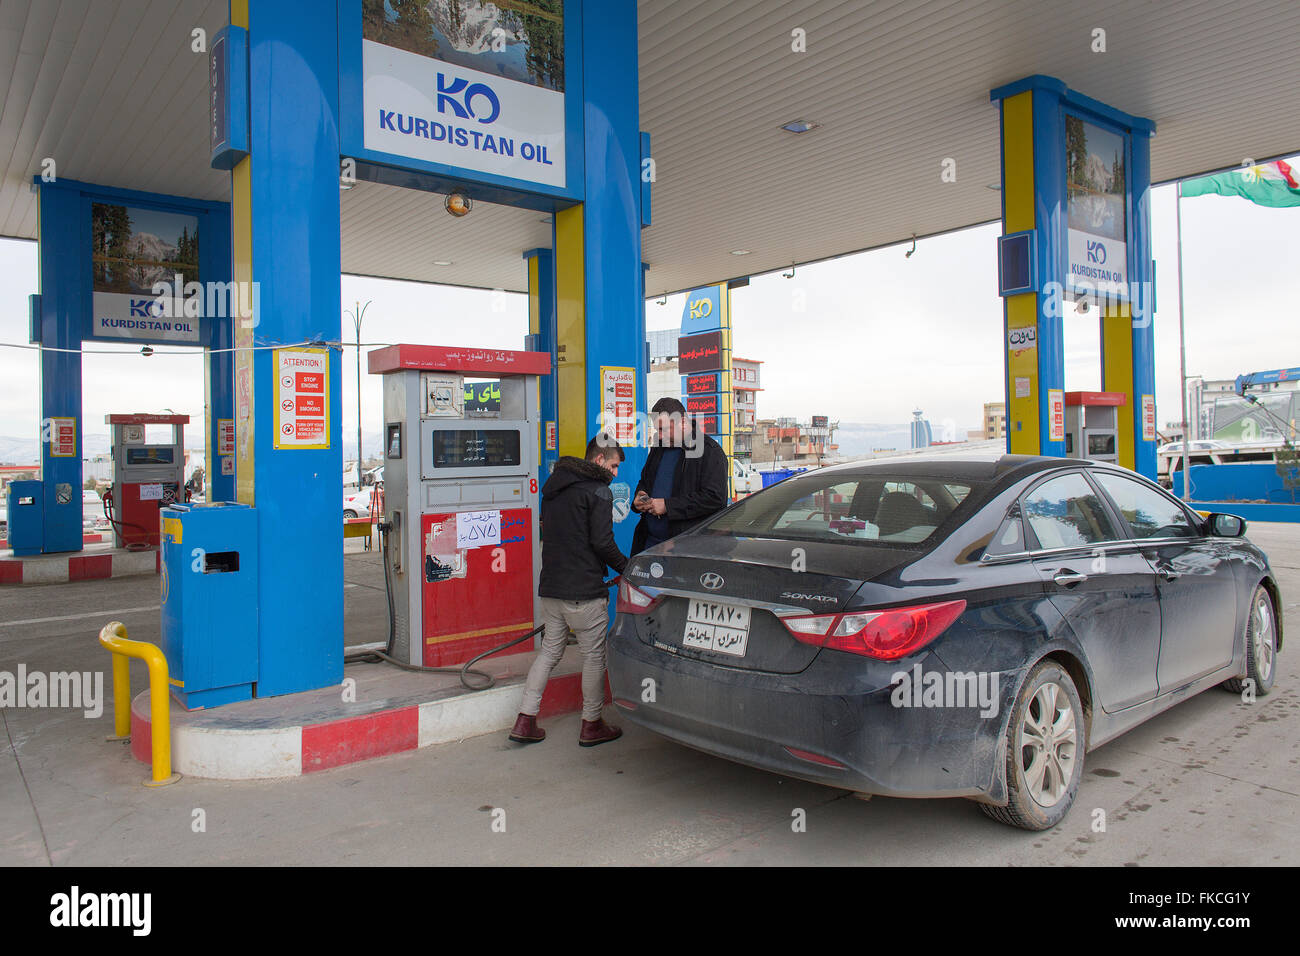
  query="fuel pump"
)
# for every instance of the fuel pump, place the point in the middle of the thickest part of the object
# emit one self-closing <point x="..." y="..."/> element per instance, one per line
<point x="145" y="477"/>
<point x="1092" y="425"/>
<point x="460" y="486"/>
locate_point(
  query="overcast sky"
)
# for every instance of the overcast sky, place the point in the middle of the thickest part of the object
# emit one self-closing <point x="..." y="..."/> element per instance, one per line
<point x="864" y="338"/>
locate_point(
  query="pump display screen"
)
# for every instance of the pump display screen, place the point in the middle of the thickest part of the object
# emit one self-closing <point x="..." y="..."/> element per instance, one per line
<point x="475" y="448"/>
<point x="150" y="456"/>
<point x="1103" y="444"/>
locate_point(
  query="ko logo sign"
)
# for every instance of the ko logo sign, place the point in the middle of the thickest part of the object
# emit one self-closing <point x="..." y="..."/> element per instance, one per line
<point x="148" y="308"/>
<point x="459" y="97"/>
<point x="1097" y="252"/>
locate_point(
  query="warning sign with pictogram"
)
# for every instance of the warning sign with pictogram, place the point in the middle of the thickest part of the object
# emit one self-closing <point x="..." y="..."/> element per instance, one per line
<point x="302" y="398"/>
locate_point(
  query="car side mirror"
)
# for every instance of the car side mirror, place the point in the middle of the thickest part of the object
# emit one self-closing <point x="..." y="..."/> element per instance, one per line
<point x="1226" y="526"/>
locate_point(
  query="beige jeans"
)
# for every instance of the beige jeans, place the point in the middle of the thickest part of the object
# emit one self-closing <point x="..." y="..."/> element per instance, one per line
<point x="589" y="620"/>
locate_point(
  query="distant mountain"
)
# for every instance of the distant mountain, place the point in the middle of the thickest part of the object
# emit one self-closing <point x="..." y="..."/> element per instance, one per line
<point x="26" y="451"/>
<point x="863" y="438"/>
<point x="1098" y="171"/>
<point x="145" y="245"/>
<point x="470" y="28"/>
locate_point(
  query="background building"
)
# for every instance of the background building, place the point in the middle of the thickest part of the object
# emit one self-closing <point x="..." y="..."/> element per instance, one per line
<point x="921" y="434"/>
<point x="995" y="420"/>
<point x="746" y="383"/>
<point x="784" y="441"/>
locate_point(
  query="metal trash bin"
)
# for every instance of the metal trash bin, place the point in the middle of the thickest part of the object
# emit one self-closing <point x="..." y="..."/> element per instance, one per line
<point x="26" y="530"/>
<point x="209" y="602"/>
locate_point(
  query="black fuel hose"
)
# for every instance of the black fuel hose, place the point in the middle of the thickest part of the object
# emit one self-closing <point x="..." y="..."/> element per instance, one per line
<point x="386" y="655"/>
<point x="106" y="501"/>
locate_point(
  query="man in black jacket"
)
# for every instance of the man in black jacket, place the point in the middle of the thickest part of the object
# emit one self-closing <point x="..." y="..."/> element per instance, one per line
<point x="684" y="479"/>
<point x="577" y="543"/>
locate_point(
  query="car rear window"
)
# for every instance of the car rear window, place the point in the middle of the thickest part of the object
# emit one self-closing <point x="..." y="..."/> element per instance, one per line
<point x="869" y="509"/>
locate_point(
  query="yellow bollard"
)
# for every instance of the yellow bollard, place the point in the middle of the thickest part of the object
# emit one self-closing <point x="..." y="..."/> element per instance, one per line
<point x="113" y="637"/>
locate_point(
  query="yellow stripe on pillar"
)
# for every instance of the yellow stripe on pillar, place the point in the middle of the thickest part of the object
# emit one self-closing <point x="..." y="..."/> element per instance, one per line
<point x="570" y="333"/>
<point x="241" y="231"/>
<point x="1117" y="375"/>
<point x="534" y="299"/>
<point x="1021" y="310"/>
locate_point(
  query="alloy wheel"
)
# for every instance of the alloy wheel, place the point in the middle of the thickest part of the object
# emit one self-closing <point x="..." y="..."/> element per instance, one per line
<point x="1262" y="635"/>
<point x="1048" y="741"/>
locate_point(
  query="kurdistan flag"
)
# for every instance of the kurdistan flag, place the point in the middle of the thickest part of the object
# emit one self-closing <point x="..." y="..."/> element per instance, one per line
<point x="1269" y="184"/>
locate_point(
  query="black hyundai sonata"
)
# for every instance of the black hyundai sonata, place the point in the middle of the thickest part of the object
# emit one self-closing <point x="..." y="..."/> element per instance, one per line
<point x="941" y="628"/>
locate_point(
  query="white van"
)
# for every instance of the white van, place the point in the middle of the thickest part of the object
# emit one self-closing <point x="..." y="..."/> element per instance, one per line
<point x="745" y="478"/>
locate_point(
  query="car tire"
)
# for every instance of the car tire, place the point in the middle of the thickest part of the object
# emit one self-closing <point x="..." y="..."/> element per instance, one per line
<point x="1041" y="789"/>
<point x="1261" y="645"/>
<point x="348" y="513"/>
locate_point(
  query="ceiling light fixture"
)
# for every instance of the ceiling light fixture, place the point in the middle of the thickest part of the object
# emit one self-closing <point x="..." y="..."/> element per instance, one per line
<point x="799" y="126"/>
<point x="740" y="252"/>
<point x="458" y="204"/>
<point x="442" y="262"/>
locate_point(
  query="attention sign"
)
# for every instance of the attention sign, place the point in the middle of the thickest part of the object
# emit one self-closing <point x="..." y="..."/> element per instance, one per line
<point x="302" y="398"/>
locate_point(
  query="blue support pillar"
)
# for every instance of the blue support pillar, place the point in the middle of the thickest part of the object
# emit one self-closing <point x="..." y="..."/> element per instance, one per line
<point x="65" y="292"/>
<point x="1044" y="123"/>
<point x="287" y="237"/>
<point x="612" y="216"/>
<point x="1049" y="208"/>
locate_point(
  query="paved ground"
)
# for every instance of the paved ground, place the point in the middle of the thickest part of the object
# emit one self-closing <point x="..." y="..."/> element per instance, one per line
<point x="1212" y="782"/>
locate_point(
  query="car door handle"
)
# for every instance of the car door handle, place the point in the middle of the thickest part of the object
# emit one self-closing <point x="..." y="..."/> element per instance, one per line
<point x="1069" y="578"/>
<point x="1168" y="573"/>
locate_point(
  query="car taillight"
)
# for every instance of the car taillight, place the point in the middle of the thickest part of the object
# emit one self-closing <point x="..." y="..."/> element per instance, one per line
<point x="817" y="625"/>
<point x="631" y="600"/>
<point x="885" y="635"/>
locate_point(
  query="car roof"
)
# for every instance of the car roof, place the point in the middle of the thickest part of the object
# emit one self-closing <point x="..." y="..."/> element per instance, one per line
<point x="970" y="468"/>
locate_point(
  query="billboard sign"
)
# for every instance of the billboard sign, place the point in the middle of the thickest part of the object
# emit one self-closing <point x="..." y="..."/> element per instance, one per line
<point x="702" y="384"/>
<point x="467" y="83"/>
<point x="1097" y="223"/>
<point x="700" y="353"/>
<point x="134" y="253"/>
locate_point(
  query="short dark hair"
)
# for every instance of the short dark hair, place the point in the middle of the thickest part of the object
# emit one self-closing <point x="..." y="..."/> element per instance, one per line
<point x="670" y="406"/>
<point x="603" y="445"/>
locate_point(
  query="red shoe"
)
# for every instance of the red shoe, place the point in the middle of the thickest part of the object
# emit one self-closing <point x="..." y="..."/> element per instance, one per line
<point x="526" y="730"/>
<point x="597" y="732"/>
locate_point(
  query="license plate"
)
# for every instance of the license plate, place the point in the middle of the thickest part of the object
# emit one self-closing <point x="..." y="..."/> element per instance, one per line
<point x="716" y="627"/>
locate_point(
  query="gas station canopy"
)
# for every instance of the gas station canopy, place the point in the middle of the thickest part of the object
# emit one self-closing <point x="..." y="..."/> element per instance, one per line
<point x="114" y="93"/>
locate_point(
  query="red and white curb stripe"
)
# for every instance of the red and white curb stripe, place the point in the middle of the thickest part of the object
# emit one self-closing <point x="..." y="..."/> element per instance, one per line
<point x="237" y="753"/>
<point x="59" y="569"/>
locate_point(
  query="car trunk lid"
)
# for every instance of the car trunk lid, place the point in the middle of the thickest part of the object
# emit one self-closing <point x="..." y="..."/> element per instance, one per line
<point x="721" y="600"/>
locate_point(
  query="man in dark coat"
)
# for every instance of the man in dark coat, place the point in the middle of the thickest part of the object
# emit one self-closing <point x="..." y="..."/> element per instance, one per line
<point x="577" y="544"/>
<point x="684" y="479"/>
